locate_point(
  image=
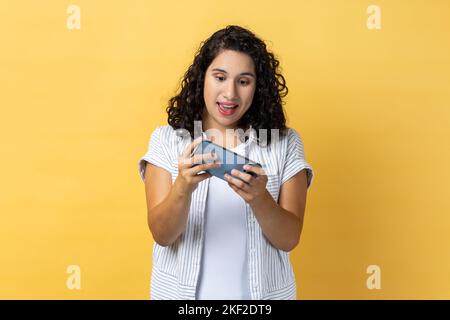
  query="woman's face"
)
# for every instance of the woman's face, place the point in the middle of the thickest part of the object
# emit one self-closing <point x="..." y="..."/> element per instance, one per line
<point x="230" y="83"/>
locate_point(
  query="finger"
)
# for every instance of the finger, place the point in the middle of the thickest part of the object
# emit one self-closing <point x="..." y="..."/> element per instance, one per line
<point x="200" y="177"/>
<point x="240" y="192"/>
<point x="232" y="186"/>
<point x="202" y="167"/>
<point x="244" y="176"/>
<point x="237" y="182"/>
<point x="190" y="148"/>
<point x="198" y="159"/>
<point x="255" y="169"/>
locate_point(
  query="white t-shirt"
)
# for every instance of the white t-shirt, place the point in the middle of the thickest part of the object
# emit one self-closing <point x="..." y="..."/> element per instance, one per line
<point x="224" y="267"/>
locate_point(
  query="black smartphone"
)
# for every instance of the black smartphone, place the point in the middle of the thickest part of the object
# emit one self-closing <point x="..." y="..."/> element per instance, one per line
<point x="229" y="159"/>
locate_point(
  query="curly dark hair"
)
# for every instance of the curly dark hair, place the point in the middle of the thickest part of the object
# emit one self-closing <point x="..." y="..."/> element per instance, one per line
<point x="266" y="110"/>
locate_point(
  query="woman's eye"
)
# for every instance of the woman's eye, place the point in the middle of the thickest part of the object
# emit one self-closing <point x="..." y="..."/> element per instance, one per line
<point x="242" y="82"/>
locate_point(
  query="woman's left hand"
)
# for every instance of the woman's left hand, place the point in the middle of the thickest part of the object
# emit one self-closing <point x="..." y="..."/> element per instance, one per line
<point x="249" y="188"/>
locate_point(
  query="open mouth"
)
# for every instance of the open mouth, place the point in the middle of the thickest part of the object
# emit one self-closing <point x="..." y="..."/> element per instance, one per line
<point x="227" y="110"/>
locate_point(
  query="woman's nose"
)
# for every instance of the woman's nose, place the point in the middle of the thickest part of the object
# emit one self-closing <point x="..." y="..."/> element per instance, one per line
<point x="231" y="91"/>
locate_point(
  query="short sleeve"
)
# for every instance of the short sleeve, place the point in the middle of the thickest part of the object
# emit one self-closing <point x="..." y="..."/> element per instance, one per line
<point x="295" y="158"/>
<point x="157" y="153"/>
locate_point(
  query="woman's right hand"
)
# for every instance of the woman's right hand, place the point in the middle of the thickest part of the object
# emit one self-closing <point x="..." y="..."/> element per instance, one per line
<point x="189" y="167"/>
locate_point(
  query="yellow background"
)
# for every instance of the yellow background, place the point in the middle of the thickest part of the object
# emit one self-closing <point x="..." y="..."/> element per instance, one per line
<point x="78" y="108"/>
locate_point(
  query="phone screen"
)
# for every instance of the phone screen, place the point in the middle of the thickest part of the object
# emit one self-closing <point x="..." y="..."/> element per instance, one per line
<point x="229" y="159"/>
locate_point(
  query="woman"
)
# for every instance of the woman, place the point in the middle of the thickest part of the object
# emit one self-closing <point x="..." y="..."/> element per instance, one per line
<point x="217" y="239"/>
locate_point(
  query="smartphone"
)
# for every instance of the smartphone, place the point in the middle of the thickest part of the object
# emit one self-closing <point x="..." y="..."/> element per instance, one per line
<point x="229" y="159"/>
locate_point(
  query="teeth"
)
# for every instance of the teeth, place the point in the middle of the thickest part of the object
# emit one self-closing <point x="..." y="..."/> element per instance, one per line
<point x="225" y="107"/>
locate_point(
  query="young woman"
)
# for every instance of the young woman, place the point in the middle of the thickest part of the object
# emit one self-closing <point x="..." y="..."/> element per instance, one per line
<point x="226" y="239"/>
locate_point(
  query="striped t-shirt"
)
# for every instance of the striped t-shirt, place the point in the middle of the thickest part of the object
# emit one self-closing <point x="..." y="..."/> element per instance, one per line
<point x="176" y="268"/>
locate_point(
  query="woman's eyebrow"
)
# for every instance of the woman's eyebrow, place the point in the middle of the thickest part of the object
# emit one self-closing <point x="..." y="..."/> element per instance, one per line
<point x="242" y="74"/>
